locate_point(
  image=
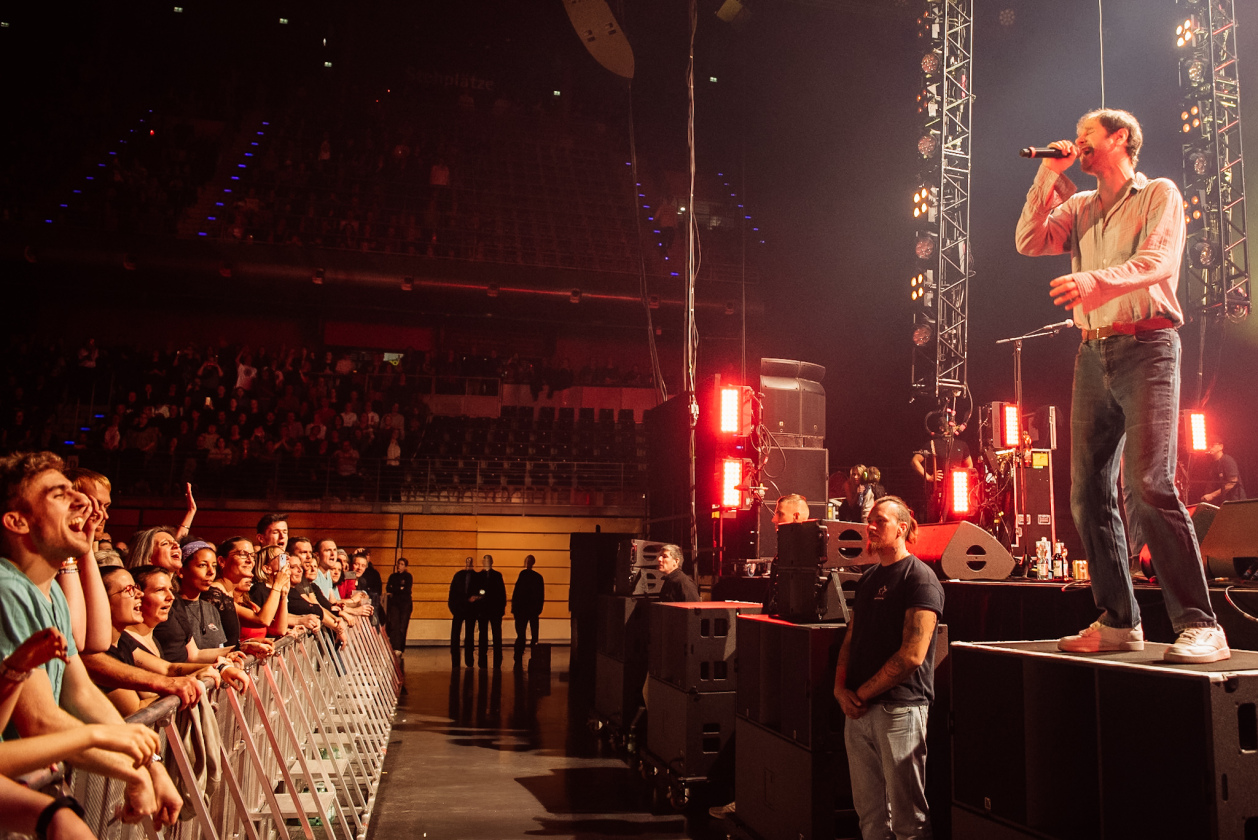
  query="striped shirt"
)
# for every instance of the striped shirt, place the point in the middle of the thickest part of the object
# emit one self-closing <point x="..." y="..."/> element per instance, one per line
<point x="1126" y="262"/>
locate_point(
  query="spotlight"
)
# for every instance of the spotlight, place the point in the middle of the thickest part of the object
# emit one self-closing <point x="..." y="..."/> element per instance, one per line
<point x="926" y="145"/>
<point x="736" y="407"/>
<point x="1185" y="31"/>
<point x="317" y="277"/>
<point x="1195" y="70"/>
<point x="1199" y="163"/>
<point x="960" y="486"/>
<point x="1203" y="254"/>
<point x="408" y="284"/>
<point x="920" y="285"/>
<point x="925" y="246"/>
<point x="733" y="483"/>
<point x="1195" y="422"/>
<point x="931" y="63"/>
<point x="922" y="334"/>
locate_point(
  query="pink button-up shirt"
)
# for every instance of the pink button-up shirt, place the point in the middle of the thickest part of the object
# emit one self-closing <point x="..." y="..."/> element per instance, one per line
<point x="1126" y="262"/>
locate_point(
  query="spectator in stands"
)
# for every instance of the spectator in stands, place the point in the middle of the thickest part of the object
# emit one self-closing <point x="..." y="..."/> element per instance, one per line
<point x="399" y="605"/>
<point x="273" y="530"/>
<point x="346" y="460"/>
<point x="38" y="814"/>
<point x="193" y="631"/>
<point x="42" y="523"/>
<point x="490" y="609"/>
<point x="233" y="581"/>
<point x="527" y="599"/>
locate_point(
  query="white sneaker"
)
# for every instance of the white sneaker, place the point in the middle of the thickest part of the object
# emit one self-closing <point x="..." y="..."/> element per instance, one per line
<point x="1199" y="644"/>
<point x="1099" y="638"/>
<point x="720" y="812"/>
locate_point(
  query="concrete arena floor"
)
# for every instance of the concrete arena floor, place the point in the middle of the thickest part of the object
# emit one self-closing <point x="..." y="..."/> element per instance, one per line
<point x="505" y="754"/>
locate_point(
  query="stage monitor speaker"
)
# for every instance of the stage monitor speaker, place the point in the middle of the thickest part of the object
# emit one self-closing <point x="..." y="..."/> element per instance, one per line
<point x="962" y="551"/>
<point x="637" y="568"/>
<point x="793" y="402"/>
<point x="1230" y="544"/>
<point x="795" y="470"/>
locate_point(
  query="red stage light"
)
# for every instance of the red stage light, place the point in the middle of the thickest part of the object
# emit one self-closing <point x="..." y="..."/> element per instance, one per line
<point x="1009" y="425"/>
<point x="960" y="488"/>
<point x="731" y="483"/>
<point x="1197" y="431"/>
<point x="735" y="410"/>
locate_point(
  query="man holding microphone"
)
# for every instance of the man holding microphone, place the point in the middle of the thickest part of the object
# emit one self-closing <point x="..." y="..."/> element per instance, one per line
<point x="1126" y="241"/>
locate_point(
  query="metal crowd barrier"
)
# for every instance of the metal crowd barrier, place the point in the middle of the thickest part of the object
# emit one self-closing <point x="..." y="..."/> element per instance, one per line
<point x="300" y="752"/>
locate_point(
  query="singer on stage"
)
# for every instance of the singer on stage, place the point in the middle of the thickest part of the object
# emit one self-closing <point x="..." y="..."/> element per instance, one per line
<point x="1126" y="240"/>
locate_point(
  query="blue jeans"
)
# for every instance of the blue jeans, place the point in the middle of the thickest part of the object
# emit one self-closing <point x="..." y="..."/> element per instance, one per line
<point x="886" y="754"/>
<point x="1126" y="408"/>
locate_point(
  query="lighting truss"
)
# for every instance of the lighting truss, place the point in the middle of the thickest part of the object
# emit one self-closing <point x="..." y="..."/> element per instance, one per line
<point x="939" y="364"/>
<point x="1217" y="253"/>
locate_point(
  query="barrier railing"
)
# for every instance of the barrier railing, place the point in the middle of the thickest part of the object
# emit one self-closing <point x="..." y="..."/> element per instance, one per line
<point x="299" y="753"/>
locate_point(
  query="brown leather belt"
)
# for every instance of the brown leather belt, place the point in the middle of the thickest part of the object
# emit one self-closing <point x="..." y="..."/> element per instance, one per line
<point x="1147" y="325"/>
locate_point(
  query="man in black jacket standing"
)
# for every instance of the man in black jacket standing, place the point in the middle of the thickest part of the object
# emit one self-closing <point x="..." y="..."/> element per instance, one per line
<point x="464" y="595"/>
<point x="490" y="607"/>
<point x="527" y="599"/>
<point x="677" y="584"/>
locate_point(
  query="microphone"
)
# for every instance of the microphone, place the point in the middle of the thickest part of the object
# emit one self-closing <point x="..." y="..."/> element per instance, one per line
<point x="1042" y="152"/>
<point x="1058" y="327"/>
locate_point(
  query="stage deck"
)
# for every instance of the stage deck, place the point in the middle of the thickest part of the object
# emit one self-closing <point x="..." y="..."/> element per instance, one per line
<point x="1243" y="662"/>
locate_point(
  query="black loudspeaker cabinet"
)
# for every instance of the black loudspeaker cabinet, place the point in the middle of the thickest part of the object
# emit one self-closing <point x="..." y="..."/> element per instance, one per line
<point x="624" y="629"/>
<point x="618" y="689"/>
<point x="962" y="551"/>
<point x="1230" y="545"/>
<point x="1115" y="747"/>
<point x="845" y="544"/>
<point x="690" y="731"/>
<point x="787" y="792"/>
<point x="697" y="644"/>
<point x="793" y="404"/>
<point x="795" y="470"/>
<point x="637" y="569"/>
<point x="786" y="679"/>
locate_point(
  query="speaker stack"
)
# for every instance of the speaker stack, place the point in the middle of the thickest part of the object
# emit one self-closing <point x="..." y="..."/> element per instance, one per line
<point x="692" y="681"/>
<point x="794" y="412"/>
<point x="620" y="670"/>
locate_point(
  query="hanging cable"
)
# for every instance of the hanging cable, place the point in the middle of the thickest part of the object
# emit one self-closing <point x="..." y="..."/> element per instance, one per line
<point x="1100" y="26"/>
<point x="657" y="372"/>
<point x="691" y="340"/>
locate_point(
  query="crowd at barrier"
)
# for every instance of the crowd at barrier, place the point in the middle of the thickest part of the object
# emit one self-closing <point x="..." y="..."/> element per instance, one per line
<point x="219" y="633"/>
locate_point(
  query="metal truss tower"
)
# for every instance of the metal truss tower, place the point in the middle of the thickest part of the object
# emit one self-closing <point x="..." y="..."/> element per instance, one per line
<point x="942" y="202"/>
<point x="1217" y="253"/>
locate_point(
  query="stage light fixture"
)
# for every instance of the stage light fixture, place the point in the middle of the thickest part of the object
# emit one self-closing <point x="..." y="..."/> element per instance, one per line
<point x="492" y="290"/>
<point x="960" y="487"/>
<point x="932" y="63"/>
<point x="574" y="296"/>
<point x="408" y="284"/>
<point x="925" y="246"/>
<point x="736" y="408"/>
<point x="733" y="486"/>
<point x="317" y="277"/>
<point x="1195" y="71"/>
<point x="926" y="145"/>
<point x="923" y="333"/>
<point x="924" y="204"/>
<point x="1196" y="428"/>
<point x="1007" y="17"/>
<point x="1199" y="163"/>
<point x="1185" y="32"/>
<point x="1202" y="253"/>
<point x="1010" y="431"/>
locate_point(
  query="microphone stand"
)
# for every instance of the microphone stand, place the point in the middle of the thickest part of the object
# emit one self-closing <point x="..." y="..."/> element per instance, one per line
<point x="1023" y="445"/>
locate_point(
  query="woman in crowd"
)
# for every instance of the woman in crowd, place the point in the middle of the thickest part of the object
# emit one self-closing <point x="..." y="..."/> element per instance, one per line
<point x="230" y="592"/>
<point x="193" y="632"/>
<point x="124" y="605"/>
<point x="156" y="547"/>
<point x="279" y="572"/>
